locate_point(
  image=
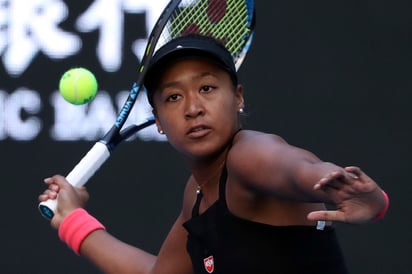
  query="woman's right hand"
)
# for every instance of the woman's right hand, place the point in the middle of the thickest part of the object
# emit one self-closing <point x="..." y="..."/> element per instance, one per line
<point x="68" y="197"/>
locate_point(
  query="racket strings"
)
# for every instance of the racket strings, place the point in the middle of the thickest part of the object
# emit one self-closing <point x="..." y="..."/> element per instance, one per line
<point x="227" y="21"/>
<point x="206" y="18"/>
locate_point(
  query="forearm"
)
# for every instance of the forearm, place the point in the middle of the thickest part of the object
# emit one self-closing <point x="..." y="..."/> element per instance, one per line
<point x="312" y="177"/>
<point x="113" y="256"/>
<point x="86" y="236"/>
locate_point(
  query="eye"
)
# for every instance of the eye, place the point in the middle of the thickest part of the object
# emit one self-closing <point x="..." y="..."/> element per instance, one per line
<point x="173" y="98"/>
<point x="207" y="89"/>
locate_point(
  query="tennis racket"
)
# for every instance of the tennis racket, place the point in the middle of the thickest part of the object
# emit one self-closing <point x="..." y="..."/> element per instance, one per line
<point x="229" y="21"/>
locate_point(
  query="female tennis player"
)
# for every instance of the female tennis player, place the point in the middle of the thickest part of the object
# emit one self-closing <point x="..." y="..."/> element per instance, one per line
<point x="253" y="202"/>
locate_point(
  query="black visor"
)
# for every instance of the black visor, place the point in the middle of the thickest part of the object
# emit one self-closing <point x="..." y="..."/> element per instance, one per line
<point x="189" y="46"/>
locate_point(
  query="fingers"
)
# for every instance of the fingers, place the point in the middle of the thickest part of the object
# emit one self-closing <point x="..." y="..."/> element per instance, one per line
<point x="362" y="176"/>
<point x="353" y="193"/>
<point x="327" y="215"/>
<point x="56" y="179"/>
<point x="54" y="183"/>
<point x="68" y="196"/>
<point x="332" y="180"/>
<point x="354" y="171"/>
<point x="48" y="194"/>
<point x="340" y="178"/>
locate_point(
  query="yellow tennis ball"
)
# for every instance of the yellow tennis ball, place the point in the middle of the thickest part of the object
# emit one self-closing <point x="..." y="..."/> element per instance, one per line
<point x="78" y="86"/>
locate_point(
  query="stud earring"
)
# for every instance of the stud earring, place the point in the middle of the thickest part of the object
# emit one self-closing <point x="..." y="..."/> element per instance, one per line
<point x="161" y="131"/>
<point x="241" y="110"/>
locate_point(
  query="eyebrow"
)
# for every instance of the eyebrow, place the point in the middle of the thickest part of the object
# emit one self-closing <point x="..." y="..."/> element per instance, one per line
<point x="198" y="76"/>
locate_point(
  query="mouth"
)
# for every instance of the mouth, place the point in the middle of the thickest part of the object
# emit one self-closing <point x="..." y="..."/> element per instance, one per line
<point x="198" y="131"/>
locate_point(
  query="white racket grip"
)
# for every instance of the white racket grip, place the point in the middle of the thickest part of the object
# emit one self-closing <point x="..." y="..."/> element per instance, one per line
<point x="88" y="165"/>
<point x="79" y="175"/>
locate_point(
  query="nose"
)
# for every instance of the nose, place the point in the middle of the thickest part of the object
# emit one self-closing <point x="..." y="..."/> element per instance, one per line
<point x="193" y="106"/>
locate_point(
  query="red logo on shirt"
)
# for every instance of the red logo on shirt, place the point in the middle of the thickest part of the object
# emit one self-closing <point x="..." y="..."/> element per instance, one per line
<point x="209" y="264"/>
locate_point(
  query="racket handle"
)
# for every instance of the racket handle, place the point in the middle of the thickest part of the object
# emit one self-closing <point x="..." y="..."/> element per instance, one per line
<point x="80" y="174"/>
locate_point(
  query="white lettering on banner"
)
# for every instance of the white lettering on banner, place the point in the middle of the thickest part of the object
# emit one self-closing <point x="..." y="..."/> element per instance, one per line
<point x="87" y="122"/>
<point x="3" y="24"/>
<point x="20" y="117"/>
<point x="111" y="28"/>
<point x="30" y="27"/>
<point x="23" y="102"/>
<point x="92" y="121"/>
<point x="3" y="132"/>
<point x="20" y="121"/>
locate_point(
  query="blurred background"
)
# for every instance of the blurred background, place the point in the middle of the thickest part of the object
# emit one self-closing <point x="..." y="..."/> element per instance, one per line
<point x="329" y="76"/>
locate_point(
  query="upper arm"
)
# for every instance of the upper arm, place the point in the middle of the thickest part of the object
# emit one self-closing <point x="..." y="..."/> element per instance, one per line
<point x="173" y="257"/>
<point x="266" y="163"/>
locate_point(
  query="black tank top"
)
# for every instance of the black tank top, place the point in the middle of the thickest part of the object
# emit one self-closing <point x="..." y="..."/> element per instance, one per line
<point x="221" y="243"/>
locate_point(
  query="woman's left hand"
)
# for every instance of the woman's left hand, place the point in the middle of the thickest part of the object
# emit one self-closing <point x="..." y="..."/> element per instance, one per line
<point x="357" y="197"/>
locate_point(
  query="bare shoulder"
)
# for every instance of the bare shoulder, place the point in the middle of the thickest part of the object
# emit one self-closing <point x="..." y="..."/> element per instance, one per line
<point x="253" y="151"/>
<point x="246" y="138"/>
<point x="258" y="158"/>
<point x="250" y="144"/>
<point x="255" y="144"/>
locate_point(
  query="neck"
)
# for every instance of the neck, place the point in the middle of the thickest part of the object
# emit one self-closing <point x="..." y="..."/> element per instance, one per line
<point x="213" y="178"/>
<point x="206" y="170"/>
<point x="207" y="173"/>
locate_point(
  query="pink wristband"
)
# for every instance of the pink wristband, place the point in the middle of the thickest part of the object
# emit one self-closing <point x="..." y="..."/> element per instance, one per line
<point x="76" y="227"/>
<point x="385" y="209"/>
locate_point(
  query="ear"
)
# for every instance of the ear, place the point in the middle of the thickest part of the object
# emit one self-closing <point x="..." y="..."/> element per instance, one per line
<point x="159" y="127"/>
<point x="239" y="97"/>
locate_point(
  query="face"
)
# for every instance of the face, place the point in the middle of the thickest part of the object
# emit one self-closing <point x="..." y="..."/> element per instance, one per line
<point x="196" y="106"/>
